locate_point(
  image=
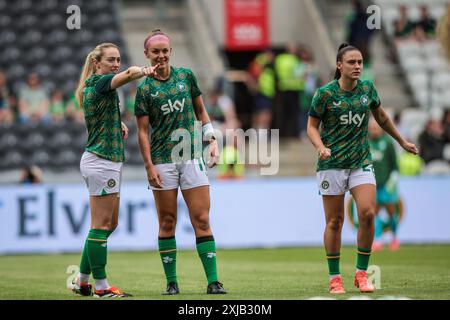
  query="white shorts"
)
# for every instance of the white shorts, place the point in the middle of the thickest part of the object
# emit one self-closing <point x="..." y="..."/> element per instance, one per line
<point x="186" y="175"/>
<point x="334" y="182"/>
<point x="102" y="176"/>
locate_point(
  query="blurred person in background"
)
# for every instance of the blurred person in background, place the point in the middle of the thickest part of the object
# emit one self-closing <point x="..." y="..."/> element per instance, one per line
<point x="128" y="112"/>
<point x="231" y="164"/>
<point x="358" y="34"/>
<point x="425" y="27"/>
<point x="443" y="31"/>
<point x="431" y="141"/>
<point x="33" y="101"/>
<point x="7" y="100"/>
<point x="167" y="169"/>
<point x="384" y="159"/>
<point x="263" y="82"/>
<point x="73" y="110"/>
<point x="338" y="129"/>
<point x="57" y="105"/>
<point x="312" y="82"/>
<point x="289" y="74"/>
<point x="221" y="109"/>
<point x="403" y="26"/>
<point x="446" y="125"/>
<point x="102" y="162"/>
<point x="31" y="175"/>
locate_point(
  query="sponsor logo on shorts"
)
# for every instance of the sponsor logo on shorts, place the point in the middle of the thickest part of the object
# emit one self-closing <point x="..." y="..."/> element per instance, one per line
<point x="325" y="184"/>
<point x="111" y="183"/>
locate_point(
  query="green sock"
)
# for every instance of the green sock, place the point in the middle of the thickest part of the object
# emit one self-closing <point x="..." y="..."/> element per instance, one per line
<point x="168" y="253"/>
<point x="363" y="259"/>
<point x="85" y="267"/>
<point x="333" y="263"/>
<point x="206" y="248"/>
<point x="97" y="252"/>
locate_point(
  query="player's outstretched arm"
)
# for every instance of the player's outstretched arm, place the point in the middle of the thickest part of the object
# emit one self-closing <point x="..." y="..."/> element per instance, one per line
<point x="132" y="73"/>
<point x="386" y="123"/>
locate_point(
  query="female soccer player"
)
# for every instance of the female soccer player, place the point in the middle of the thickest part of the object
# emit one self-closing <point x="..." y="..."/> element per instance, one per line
<point x="101" y="163"/>
<point x="171" y="103"/>
<point x="342" y="109"/>
<point x="384" y="160"/>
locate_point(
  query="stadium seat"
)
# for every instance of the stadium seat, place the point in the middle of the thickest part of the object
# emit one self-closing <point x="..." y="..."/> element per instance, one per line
<point x="7" y="38"/>
<point x="13" y="160"/>
<point x="69" y="86"/>
<point x="30" y="39"/>
<point x="82" y="37"/>
<point x="16" y="72"/>
<point x="11" y="55"/>
<point x="40" y="158"/>
<point x="43" y="70"/>
<point x="36" y="54"/>
<point x="4" y="6"/>
<point x="54" y="21"/>
<point x="61" y="54"/>
<point x="34" y="141"/>
<point x="47" y="6"/>
<point x="18" y="8"/>
<point x="56" y="38"/>
<point x="28" y="22"/>
<point x="5" y="22"/>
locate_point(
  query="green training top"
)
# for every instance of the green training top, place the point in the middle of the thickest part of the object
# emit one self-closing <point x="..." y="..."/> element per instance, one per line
<point x="384" y="158"/>
<point x="169" y="105"/>
<point x="344" y="119"/>
<point x="102" y="117"/>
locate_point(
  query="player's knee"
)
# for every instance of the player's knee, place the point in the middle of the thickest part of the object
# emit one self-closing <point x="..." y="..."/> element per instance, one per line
<point x="367" y="216"/>
<point x="335" y="224"/>
<point x="202" y="222"/>
<point x="167" y="224"/>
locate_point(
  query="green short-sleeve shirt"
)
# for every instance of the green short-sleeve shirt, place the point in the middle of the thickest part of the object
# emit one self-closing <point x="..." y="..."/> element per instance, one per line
<point x="344" y="119"/>
<point x="102" y="116"/>
<point x="169" y="106"/>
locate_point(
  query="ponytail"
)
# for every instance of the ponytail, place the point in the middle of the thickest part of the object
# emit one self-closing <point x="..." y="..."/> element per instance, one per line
<point x="89" y="69"/>
<point x="343" y="49"/>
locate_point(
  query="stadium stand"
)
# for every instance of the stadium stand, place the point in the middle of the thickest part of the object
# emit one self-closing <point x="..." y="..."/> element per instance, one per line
<point x="35" y="38"/>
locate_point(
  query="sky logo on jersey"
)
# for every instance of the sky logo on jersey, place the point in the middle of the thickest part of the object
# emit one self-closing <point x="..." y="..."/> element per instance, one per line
<point x="350" y="118"/>
<point x="172" y="106"/>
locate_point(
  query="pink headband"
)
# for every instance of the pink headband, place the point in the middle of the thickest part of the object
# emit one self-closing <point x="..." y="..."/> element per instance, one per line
<point x="156" y="38"/>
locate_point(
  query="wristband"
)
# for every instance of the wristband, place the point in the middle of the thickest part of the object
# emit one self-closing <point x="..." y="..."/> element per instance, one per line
<point x="208" y="131"/>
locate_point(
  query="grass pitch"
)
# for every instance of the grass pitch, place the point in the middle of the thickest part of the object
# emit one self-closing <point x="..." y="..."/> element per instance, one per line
<point x="416" y="272"/>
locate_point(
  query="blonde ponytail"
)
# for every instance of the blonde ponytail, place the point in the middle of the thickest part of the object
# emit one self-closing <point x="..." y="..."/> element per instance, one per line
<point x="89" y="68"/>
